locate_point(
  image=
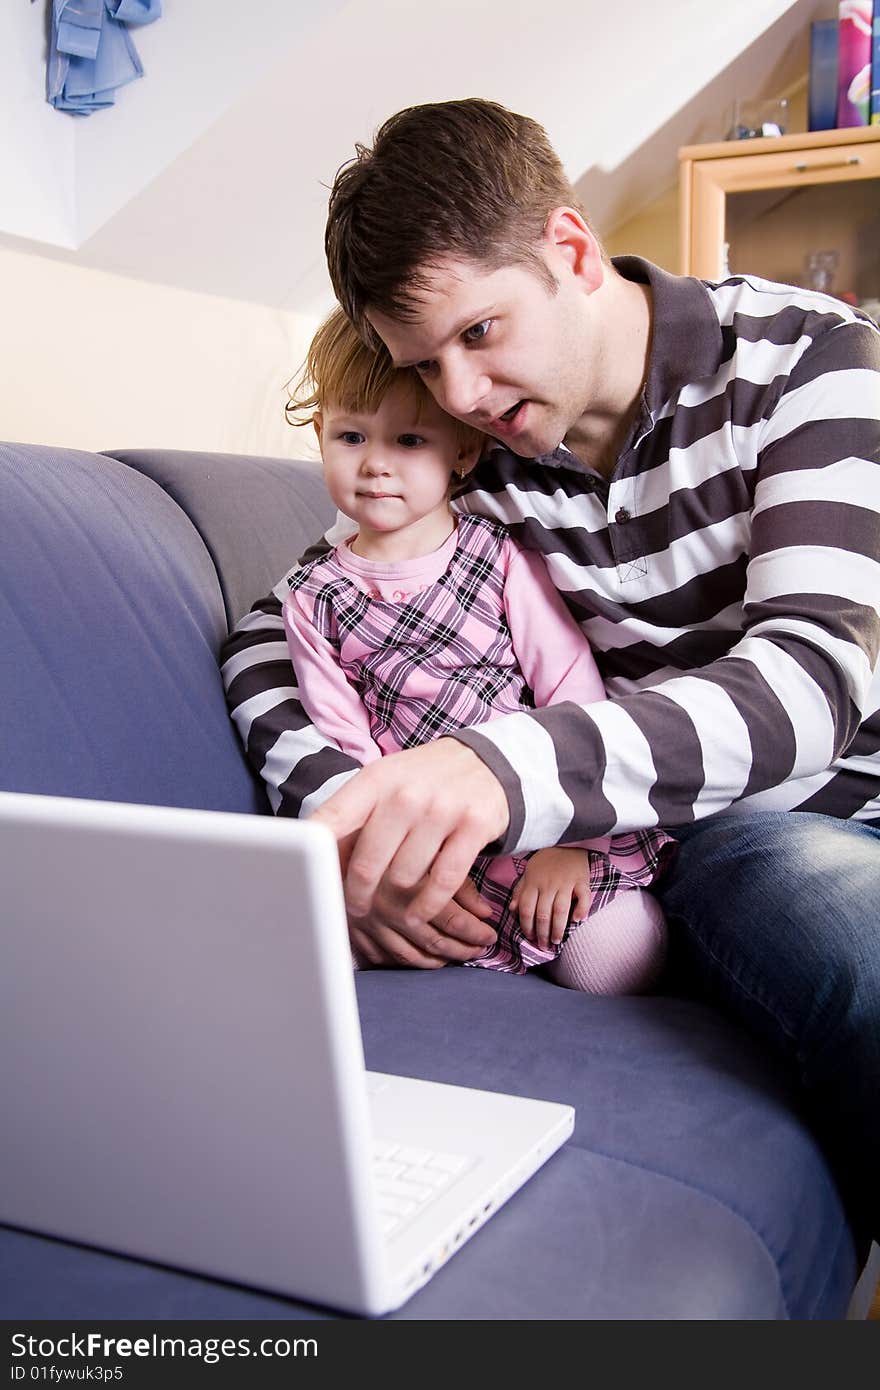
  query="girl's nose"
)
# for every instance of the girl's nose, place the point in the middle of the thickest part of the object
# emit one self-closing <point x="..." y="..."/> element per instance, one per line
<point x="373" y="463"/>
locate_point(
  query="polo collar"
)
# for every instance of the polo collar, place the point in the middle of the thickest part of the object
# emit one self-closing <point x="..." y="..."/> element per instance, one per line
<point x="686" y="339"/>
<point x="686" y="345"/>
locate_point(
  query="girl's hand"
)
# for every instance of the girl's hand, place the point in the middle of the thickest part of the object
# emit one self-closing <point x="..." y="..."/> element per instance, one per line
<point x="555" y="886"/>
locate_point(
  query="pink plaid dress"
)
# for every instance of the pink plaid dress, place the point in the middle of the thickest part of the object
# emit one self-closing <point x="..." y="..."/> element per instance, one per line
<point x="438" y="660"/>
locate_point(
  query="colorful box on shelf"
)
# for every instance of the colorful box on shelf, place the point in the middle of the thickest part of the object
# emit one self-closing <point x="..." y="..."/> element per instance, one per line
<point x="854" y="62"/>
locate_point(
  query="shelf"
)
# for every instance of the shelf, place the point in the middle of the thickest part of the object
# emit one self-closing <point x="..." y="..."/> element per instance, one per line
<point x="773" y="200"/>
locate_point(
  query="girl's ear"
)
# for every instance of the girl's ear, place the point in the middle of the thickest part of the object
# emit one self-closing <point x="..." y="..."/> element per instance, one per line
<point x="467" y="457"/>
<point x="318" y="423"/>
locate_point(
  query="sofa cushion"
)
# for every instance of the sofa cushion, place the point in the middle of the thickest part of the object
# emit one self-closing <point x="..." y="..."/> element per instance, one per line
<point x="254" y="528"/>
<point x="690" y="1188"/>
<point x="691" y="1181"/>
<point x="111" y="617"/>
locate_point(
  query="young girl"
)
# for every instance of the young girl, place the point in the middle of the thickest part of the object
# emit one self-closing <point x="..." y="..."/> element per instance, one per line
<point x="427" y="620"/>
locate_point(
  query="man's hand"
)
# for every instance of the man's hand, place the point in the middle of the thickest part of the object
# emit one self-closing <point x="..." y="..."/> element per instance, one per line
<point x="457" y="933"/>
<point x="555" y="885"/>
<point x="412" y="824"/>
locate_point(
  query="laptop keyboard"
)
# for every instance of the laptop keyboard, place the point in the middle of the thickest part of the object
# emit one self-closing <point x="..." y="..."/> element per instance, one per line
<point x="407" y="1180"/>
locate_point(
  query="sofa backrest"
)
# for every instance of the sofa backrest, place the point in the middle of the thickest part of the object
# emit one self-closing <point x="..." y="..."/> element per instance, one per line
<point x="111" y="617"/>
<point x="255" y="515"/>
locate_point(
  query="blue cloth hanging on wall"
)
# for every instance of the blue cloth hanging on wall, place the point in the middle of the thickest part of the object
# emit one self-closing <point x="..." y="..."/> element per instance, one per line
<point x="91" y="52"/>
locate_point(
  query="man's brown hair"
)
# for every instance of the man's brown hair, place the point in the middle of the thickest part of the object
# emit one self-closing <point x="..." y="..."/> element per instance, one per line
<point x="463" y="179"/>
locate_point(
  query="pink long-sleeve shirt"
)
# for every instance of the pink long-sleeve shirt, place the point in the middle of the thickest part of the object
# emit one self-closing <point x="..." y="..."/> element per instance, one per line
<point x="526" y="635"/>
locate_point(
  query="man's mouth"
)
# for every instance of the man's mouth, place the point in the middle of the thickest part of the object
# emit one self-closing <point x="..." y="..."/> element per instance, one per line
<point x="508" y="422"/>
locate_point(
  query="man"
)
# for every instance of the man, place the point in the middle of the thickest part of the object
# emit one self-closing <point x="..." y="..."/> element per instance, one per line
<point x="697" y="464"/>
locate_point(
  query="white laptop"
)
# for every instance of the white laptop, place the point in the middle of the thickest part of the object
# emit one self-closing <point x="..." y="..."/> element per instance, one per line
<point x="181" y="1068"/>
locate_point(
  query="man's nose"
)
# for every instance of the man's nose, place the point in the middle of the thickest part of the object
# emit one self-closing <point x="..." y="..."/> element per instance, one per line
<point x="463" y="385"/>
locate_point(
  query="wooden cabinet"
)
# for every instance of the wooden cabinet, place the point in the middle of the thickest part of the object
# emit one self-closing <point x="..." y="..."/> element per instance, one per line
<point x="764" y="206"/>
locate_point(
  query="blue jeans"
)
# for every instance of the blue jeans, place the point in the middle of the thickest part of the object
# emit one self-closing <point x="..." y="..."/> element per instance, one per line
<point x="775" y="917"/>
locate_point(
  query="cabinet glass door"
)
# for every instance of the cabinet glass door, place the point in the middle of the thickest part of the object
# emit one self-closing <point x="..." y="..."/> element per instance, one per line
<point x="782" y="233"/>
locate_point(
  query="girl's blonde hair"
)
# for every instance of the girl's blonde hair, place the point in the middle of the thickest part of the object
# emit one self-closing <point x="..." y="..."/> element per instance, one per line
<point x="340" y="370"/>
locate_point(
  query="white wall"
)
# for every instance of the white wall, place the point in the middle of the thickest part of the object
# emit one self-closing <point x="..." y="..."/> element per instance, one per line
<point x="211" y="173"/>
<point x="652" y="233"/>
<point x="99" y="361"/>
<point x="200" y="57"/>
<point x="63" y="176"/>
<point x="37" y="145"/>
<point x="207" y="181"/>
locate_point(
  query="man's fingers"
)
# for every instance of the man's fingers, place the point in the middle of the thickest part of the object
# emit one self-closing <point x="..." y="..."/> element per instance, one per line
<point x="385" y="946"/>
<point x="414" y="822"/>
<point x="417" y="850"/>
<point x="397" y="844"/>
<point x="459" y="934"/>
<point x="383" y="937"/>
<point x="347" y="810"/>
<point x="448" y="871"/>
<point x="344" y="848"/>
<point x="363" y="945"/>
<point x="374" y="851"/>
<point x="468" y="897"/>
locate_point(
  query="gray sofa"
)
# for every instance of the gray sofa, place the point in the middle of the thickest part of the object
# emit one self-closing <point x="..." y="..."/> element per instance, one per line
<point x="692" y="1187"/>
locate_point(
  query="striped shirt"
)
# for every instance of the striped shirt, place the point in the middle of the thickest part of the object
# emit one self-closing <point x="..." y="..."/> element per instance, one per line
<point x="727" y="577"/>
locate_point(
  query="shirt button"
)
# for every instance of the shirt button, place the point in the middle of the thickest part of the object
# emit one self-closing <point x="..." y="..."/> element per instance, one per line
<point x="622" y="515"/>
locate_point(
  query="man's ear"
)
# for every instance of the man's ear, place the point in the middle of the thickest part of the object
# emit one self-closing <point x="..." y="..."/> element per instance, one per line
<point x="568" y="243"/>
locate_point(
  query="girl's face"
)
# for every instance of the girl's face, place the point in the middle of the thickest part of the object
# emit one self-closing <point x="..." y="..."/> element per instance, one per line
<point x="390" y="472"/>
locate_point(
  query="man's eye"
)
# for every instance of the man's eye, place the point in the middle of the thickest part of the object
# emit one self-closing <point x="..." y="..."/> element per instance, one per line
<point x="410" y="441"/>
<point x="351" y="437"/>
<point x="477" y="331"/>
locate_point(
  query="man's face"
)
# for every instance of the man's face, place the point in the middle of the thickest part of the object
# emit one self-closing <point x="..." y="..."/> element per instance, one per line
<point x="500" y="350"/>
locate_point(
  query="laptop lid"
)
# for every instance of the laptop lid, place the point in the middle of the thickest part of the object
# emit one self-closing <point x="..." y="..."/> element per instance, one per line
<point x="181" y="1065"/>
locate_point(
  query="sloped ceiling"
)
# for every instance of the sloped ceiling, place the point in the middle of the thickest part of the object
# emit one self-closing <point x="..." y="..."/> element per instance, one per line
<point x="211" y="173"/>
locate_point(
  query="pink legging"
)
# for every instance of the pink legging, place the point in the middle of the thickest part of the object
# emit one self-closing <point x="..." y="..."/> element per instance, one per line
<point x="618" y="950"/>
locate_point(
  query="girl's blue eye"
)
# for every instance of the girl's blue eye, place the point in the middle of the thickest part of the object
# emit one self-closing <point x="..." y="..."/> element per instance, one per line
<point x="410" y="441"/>
<point x="477" y="331"/>
<point x="426" y="366"/>
<point x="351" y="437"/>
